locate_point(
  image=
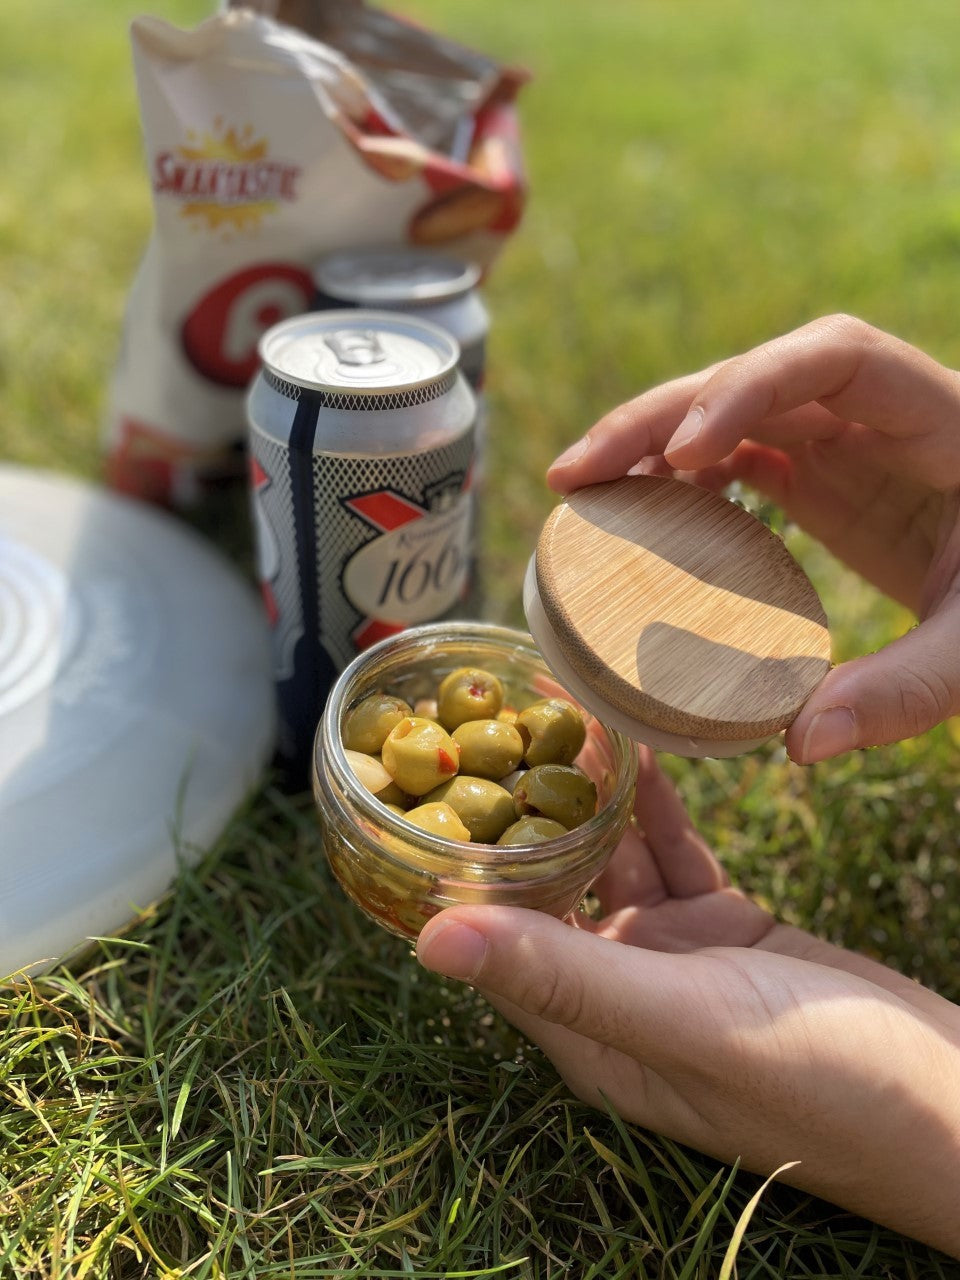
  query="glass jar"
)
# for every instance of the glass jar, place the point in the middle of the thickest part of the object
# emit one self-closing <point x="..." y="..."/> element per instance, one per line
<point x="401" y="876"/>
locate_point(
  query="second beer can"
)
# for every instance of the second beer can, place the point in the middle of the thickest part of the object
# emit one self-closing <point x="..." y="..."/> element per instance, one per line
<point x="432" y="286"/>
<point x="362" y="438"/>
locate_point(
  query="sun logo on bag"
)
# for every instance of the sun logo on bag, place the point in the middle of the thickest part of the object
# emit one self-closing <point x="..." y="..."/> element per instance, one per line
<point x="223" y="178"/>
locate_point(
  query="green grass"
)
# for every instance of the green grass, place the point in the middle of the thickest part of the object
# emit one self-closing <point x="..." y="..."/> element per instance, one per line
<point x="252" y="1081"/>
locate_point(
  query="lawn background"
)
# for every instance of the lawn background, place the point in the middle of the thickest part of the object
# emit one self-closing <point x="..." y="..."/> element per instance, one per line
<point x="252" y="1083"/>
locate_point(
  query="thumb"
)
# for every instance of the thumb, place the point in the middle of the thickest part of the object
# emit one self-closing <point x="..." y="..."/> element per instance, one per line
<point x="648" y="1004"/>
<point x="898" y="692"/>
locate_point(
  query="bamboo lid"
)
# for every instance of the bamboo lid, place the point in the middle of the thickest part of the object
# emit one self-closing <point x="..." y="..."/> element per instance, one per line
<point x="678" y="610"/>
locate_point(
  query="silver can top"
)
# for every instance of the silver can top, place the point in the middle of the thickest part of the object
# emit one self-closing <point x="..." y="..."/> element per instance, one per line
<point x="359" y="351"/>
<point x="394" y="277"/>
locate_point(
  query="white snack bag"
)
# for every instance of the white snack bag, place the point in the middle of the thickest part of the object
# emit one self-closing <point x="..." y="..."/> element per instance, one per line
<point x="268" y="147"/>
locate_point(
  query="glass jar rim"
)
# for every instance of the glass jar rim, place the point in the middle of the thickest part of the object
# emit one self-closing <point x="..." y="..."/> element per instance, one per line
<point x="329" y="752"/>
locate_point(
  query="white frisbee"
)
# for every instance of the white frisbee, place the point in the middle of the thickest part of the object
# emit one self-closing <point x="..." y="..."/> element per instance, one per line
<point x="136" y="708"/>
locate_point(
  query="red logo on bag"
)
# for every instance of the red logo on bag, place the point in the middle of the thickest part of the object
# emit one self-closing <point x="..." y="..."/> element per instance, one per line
<point x="225" y="178"/>
<point x="221" y="333"/>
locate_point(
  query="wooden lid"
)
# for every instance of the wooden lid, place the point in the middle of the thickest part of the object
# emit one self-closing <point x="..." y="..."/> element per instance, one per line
<point x="681" y="609"/>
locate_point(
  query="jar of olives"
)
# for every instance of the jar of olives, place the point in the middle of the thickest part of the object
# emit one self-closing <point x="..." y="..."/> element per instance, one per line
<point x="402" y="716"/>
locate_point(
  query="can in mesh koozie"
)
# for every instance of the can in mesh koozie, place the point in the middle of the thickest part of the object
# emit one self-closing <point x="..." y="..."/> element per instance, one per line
<point x="433" y="286"/>
<point x="362" y="440"/>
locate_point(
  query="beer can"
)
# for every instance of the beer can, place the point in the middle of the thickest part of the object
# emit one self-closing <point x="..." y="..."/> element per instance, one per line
<point x="433" y="286"/>
<point x="362" y="439"/>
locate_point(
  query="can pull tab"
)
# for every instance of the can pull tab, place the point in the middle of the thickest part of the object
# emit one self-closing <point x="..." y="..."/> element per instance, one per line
<point x="356" y="347"/>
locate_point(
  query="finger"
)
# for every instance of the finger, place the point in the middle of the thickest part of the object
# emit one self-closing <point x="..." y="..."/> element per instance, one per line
<point x="596" y="756"/>
<point x="726" y="918"/>
<point x="561" y="1045"/>
<point x="802" y="386"/>
<point x="638" y="429"/>
<point x="904" y="689"/>
<point x="547" y="687"/>
<point x="684" y="860"/>
<point x="663" y="855"/>
<point x="633" y="436"/>
<point x="855" y="371"/>
<point x="879" y="522"/>
<point x="603" y="1076"/>
<point x="655" y="465"/>
<point x="631" y="877"/>
<point x="653" y="1006"/>
<point x="769" y="471"/>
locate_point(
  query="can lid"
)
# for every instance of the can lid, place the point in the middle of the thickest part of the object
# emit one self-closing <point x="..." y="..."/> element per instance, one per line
<point x="675" y="616"/>
<point x="394" y="277"/>
<point x="359" y="351"/>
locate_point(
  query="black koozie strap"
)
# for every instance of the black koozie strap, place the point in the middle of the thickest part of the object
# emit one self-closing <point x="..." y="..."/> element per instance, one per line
<point x="313" y="670"/>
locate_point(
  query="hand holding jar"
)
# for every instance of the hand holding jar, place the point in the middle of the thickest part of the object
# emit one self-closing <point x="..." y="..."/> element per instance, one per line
<point x="856" y="435"/>
<point x="693" y="1012"/>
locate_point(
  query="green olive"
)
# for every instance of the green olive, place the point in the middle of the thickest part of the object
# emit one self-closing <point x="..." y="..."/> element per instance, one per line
<point x="419" y="755"/>
<point x="552" y="730"/>
<point x="468" y="694"/>
<point x="367" y="724"/>
<point x="485" y="809"/>
<point x="557" y="791"/>
<point x="488" y="748"/>
<point x="532" y="830"/>
<point x="370" y="773"/>
<point x="508" y="715"/>
<point x="425" y="707"/>
<point x="439" y="820"/>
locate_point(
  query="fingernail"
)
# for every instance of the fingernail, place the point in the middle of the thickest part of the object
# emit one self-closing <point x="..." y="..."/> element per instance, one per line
<point x="641" y="468"/>
<point x="687" y="431"/>
<point x="831" y="732"/>
<point x="453" y="949"/>
<point x="573" y="454"/>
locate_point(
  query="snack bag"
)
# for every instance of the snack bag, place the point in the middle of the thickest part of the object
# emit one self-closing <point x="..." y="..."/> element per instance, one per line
<point x="275" y="134"/>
